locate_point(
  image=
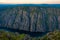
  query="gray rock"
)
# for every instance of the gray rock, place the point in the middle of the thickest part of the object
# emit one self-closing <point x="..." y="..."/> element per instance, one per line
<point x="33" y="19"/>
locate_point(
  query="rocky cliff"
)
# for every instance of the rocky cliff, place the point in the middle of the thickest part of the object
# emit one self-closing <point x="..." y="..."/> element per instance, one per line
<point x="31" y="18"/>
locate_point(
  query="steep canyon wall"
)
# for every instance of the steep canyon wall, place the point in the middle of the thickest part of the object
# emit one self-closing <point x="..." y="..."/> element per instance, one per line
<point x="33" y="19"/>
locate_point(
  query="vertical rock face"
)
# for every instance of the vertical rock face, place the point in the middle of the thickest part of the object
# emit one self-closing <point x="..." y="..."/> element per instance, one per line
<point x="33" y="19"/>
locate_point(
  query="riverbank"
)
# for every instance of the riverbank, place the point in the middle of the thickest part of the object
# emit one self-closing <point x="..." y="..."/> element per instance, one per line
<point x="32" y="34"/>
<point x="6" y="35"/>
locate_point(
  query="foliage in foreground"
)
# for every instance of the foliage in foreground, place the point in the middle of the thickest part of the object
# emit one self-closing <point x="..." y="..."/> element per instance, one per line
<point x="4" y="35"/>
<point x="11" y="36"/>
<point x="51" y="36"/>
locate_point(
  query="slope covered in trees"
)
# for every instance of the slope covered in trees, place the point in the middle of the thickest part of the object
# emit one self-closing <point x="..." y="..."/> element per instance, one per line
<point x="55" y="35"/>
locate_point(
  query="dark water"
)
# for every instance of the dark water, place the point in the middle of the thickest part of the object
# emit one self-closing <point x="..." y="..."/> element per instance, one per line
<point x="33" y="34"/>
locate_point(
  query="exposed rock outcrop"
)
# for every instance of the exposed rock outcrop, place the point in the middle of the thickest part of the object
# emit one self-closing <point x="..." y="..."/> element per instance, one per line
<point x="33" y="19"/>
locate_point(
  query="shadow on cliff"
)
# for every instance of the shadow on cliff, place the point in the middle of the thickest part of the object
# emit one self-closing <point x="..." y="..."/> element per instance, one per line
<point x="32" y="34"/>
